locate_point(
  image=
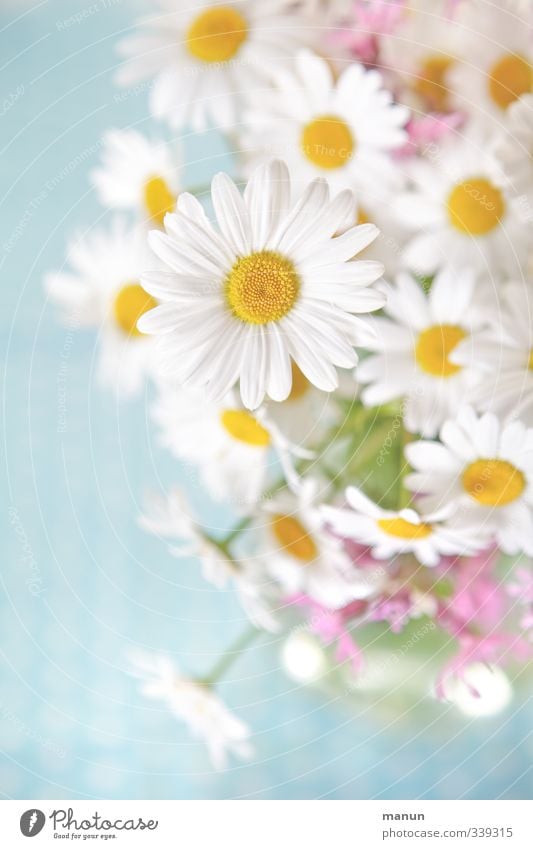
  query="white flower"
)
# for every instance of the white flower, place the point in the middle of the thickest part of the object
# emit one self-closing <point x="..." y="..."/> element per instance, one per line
<point x="495" y="43"/>
<point x="207" y="56"/>
<point x="391" y="532"/>
<point x="514" y="150"/>
<point x="232" y="447"/>
<point x="304" y="557"/>
<point x="414" y="349"/>
<point x="270" y="284"/>
<point x="484" y="469"/>
<point x="461" y="215"/>
<point x="171" y="518"/>
<point x="196" y="704"/>
<point x="343" y="130"/>
<point x="421" y="50"/>
<point x="504" y="352"/>
<point x="137" y="174"/>
<point x="102" y="290"/>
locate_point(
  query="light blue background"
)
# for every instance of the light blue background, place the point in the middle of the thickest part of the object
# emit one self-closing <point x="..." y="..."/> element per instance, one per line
<point x="71" y="721"/>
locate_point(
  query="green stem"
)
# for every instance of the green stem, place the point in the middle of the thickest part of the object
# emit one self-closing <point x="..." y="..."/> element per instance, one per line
<point x="229" y="657"/>
<point x="233" y="534"/>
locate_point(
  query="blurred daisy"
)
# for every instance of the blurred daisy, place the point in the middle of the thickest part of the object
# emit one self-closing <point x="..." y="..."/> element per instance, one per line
<point x="205" y="57"/>
<point x="484" y="469"/>
<point x="414" y="346"/>
<point x="269" y="284"/>
<point x="391" y="532"/>
<point x="303" y="557"/>
<point x="420" y="49"/>
<point x="194" y="702"/>
<point x="170" y="517"/>
<point x="495" y="43"/>
<point x="459" y="212"/>
<point x="137" y="174"/>
<point x="514" y="150"/>
<point x="102" y="289"/>
<point x="504" y="352"/>
<point x="343" y="130"/>
<point x="232" y="448"/>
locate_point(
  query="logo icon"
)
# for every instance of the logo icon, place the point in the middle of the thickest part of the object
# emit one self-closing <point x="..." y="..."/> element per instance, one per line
<point x="32" y="822"/>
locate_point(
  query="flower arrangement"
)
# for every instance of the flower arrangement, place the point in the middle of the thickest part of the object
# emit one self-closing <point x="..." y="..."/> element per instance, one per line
<point x="339" y="335"/>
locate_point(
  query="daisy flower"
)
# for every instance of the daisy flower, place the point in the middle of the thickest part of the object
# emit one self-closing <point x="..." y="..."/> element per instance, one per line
<point x="504" y="353"/>
<point x="495" y="45"/>
<point x="514" y="149"/>
<point x="232" y="448"/>
<point x="195" y="703"/>
<point x="388" y="533"/>
<point x="484" y="469"/>
<point x="137" y="174"/>
<point x="413" y="348"/>
<point x="343" y="130"/>
<point x="101" y="289"/>
<point x="270" y="283"/>
<point x="171" y="517"/>
<point x="304" y="558"/>
<point x="420" y="50"/>
<point x="459" y="212"/>
<point x="205" y="57"/>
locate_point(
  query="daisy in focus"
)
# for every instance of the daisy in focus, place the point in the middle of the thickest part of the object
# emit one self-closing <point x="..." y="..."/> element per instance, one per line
<point x="101" y="289"/>
<point x="504" y="353"/>
<point x="268" y="284"/>
<point x="458" y="212"/>
<point x="484" y="469"/>
<point x="304" y="558"/>
<point x="413" y="350"/>
<point x="495" y="43"/>
<point x="137" y="174"/>
<point x="389" y="533"/>
<point x="343" y="130"/>
<point x="206" y="57"/>
<point x="196" y="704"/>
<point x="233" y="449"/>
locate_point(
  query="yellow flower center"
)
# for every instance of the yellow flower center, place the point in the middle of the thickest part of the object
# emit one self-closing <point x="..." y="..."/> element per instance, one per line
<point x="509" y="78"/>
<point x="244" y="428"/>
<point x="327" y="142"/>
<point x="475" y="206"/>
<point x="431" y="81"/>
<point x="300" y="384"/>
<point x="493" y="483"/>
<point x="130" y="303"/>
<point x="403" y="529"/>
<point x="294" y="538"/>
<point x="530" y="360"/>
<point x="434" y="347"/>
<point x="216" y="34"/>
<point x="158" y="199"/>
<point x="262" y="287"/>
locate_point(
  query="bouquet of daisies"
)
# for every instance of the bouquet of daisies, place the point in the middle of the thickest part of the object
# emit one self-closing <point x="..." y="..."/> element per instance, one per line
<point x="339" y="335"/>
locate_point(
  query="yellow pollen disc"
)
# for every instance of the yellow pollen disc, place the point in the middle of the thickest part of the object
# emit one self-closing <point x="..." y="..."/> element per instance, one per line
<point x="158" y="199"/>
<point x="509" y="79"/>
<point x="262" y="287"/>
<point x="294" y="538"/>
<point x="403" y="529"/>
<point x="530" y="360"/>
<point x="244" y="428"/>
<point x="475" y="206"/>
<point x="327" y="142"/>
<point x="300" y="384"/>
<point x="493" y="483"/>
<point x="431" y="81"/>
<point x="216" y="34"/>
<point x="435" y="345"/>
<point x="130" y="303"/>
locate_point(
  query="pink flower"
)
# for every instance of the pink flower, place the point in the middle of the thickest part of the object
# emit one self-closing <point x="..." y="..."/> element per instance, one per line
<point x="330" y="626"/>
<point x="479" y="599"/>
<point x="428" y="129"/>
<point x="371" y="18"/>
<point x="495" y="648"/>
